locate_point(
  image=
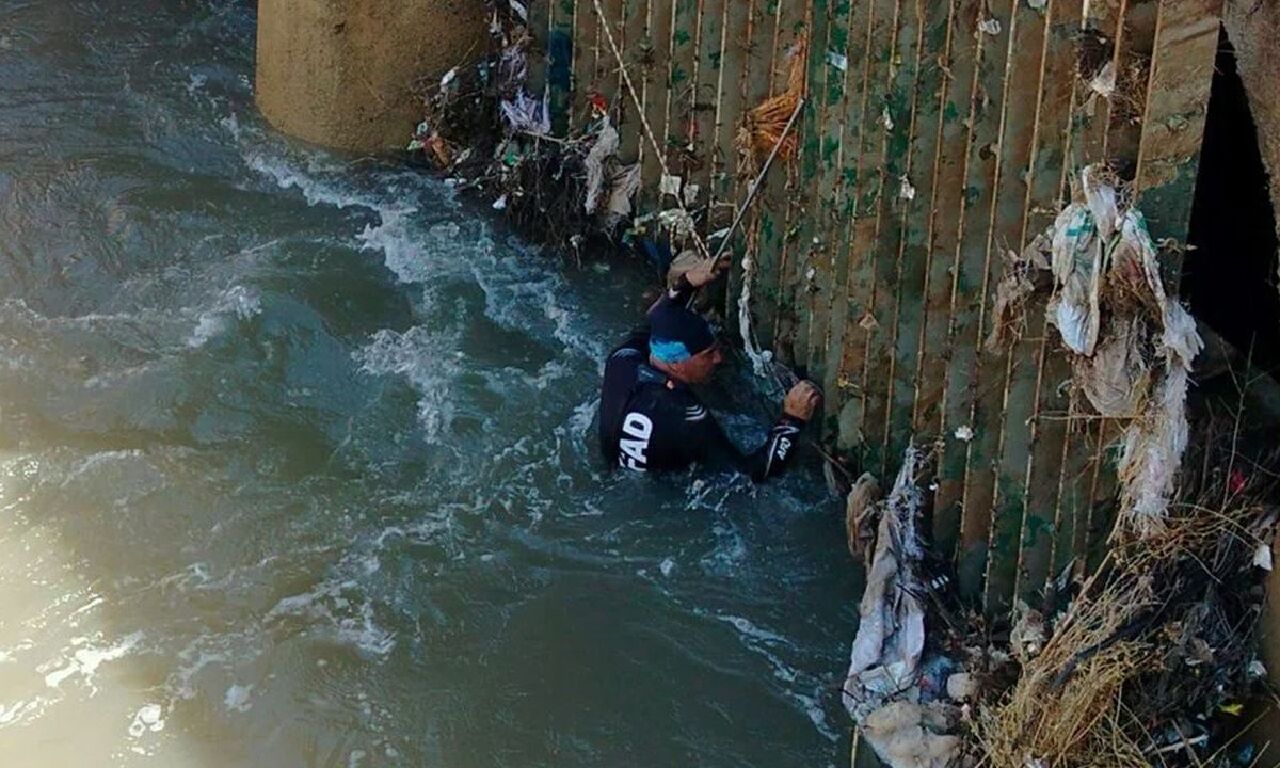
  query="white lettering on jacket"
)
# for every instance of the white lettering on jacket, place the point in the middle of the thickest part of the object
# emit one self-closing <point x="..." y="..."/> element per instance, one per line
<point x="638" y="428"/>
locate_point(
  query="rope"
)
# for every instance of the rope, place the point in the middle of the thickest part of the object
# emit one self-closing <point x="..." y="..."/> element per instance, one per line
<point x="644" y="123"/>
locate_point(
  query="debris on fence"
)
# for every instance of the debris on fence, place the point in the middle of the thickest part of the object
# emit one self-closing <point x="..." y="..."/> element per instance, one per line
<point x="907" y="723"/>
<point x="1131" y="344"/>
<point x="1156" y="653"/>
<point x="766" y="124"/>
<point x="492" y="136"/>
<point x="1148" y="662"/>
<point x="890" y="639"/>
<point x="1016" y="286"/>
<point x="859" y="519"/>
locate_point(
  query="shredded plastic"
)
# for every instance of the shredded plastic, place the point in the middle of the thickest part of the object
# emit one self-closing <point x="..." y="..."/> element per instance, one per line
<point x="881" y="691"/>
<point x="526" y="114"/>
<point x="760" y="359"/>
<point x="605" y="147"/>
<point x="1134" y="344"/>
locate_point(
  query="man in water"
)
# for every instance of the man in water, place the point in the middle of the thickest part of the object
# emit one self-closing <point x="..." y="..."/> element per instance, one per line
<point x="650" y="419"/>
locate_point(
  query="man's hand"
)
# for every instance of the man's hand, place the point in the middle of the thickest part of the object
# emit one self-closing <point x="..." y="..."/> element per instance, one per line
<point x="696" y="270"/>
<point x="802" y="401"/>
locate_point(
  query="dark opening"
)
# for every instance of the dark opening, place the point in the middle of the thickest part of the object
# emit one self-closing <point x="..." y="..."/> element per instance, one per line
<point x="1230" y="278"/>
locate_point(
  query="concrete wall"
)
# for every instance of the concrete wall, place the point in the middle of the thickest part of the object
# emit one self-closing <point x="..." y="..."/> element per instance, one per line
<point x="1254" y="29"/>
<point x="340" y="73"/>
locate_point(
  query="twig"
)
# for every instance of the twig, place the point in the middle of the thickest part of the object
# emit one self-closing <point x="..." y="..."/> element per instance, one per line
<point x="1235" y="430"/>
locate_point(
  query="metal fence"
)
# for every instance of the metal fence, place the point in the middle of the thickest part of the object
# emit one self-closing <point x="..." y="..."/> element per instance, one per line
<point x="937" y="136"/>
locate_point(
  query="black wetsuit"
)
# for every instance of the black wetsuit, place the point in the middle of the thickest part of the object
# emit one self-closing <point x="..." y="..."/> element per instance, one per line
<point x="649" y="422"/>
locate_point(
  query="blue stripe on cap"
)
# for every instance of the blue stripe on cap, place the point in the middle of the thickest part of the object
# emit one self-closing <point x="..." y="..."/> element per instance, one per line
<point x="672" y="322"/>
<point x="669" y="350"/>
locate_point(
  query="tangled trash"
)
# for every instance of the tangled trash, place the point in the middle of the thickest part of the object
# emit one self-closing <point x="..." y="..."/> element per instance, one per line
<point x="1149" y="660"/>
<point x="1145" y="663"/>
<point x="1150" y="663"/>
<point x="907" y="725"/>
<point x="766" y="124"/>
<point x="1131" y="344"/>
<point x="492" y="136"/>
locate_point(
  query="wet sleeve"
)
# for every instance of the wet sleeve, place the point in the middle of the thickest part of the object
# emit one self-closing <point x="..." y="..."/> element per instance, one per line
<point x="712" y="447"/>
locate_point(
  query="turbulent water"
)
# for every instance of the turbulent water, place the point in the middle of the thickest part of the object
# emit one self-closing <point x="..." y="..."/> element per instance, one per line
<point x="296" y="468"/>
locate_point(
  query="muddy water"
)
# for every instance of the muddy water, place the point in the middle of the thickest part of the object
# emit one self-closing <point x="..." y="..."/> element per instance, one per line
<point x="295" y="466"/>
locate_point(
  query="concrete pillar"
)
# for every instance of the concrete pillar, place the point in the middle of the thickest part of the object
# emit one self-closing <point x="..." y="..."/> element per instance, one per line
<point x="1254" y="29"/>
<point x="339" y="73"/>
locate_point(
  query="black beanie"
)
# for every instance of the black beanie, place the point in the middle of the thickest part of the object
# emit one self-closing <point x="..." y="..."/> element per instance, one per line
<point x="678" y="332"/>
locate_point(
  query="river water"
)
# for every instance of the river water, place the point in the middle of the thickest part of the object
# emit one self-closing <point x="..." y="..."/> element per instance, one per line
<point x="295" y="461"/>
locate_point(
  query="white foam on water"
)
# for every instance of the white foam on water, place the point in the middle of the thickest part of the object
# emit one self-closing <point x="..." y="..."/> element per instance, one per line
<point x="96" y="461"/>
<point x="812" y="706"/>
<point x="768" y="645"/>
<point x="402" y="254"/>
<point x="339" y="608"/>
<point x="237" y="303"/>
<point x="193" y="659"/>
<point x="150" y="717"/>
<point x="231" y="124"/>
<point x="84" y="662"/>
<point x="17" y="712"/>
<point x="315" y="191"/>
<point x="428" y="360"/>
<point x="551" y="372"/>
<point x="518" y="290"/>
<point x="583" y="414"/>
<point x="750" y="631"/>
<point x="237" y="697"/>
<point x="521" y="292"/>
<point x="72" y="618"/>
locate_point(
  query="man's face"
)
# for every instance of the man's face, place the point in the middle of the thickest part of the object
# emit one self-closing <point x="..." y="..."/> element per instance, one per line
<point x="699" y="368"/>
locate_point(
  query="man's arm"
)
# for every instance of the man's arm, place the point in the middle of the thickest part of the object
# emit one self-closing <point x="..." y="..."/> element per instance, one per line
<point x="713" y="448"/>
<point x="709" y="445"/>
<point x="688" y="273"/>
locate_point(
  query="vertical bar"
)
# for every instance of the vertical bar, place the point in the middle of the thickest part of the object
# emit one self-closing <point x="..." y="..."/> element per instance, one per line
<point x="794" y="28"/>
<point x="647" y="58"/>
<point x="704" y="104"/>
<point x="680" y="119"/>
<point x="626" y="18"/>
<point x="834" y="205"/>
<point x="894" y="207"/>
<point x="941" y="323"/>
<point x="844" y="352"/>
<point x="560" y="41"/>
<point x="1009" y="403"/>
<point x="734" y="67"/>
<point x="869" y="321"/>
<point x="767" y="76"/>
<point x="539" y="27"/>
<point x="806" y="261"/>
<point x="863" y="318"/>
<point x="1104" y="22"/>
<point x="969" y="377"/>
<point x="915" y="228"/>
<point x="1133" y="67"/>
<point x="1044" y="195"/>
